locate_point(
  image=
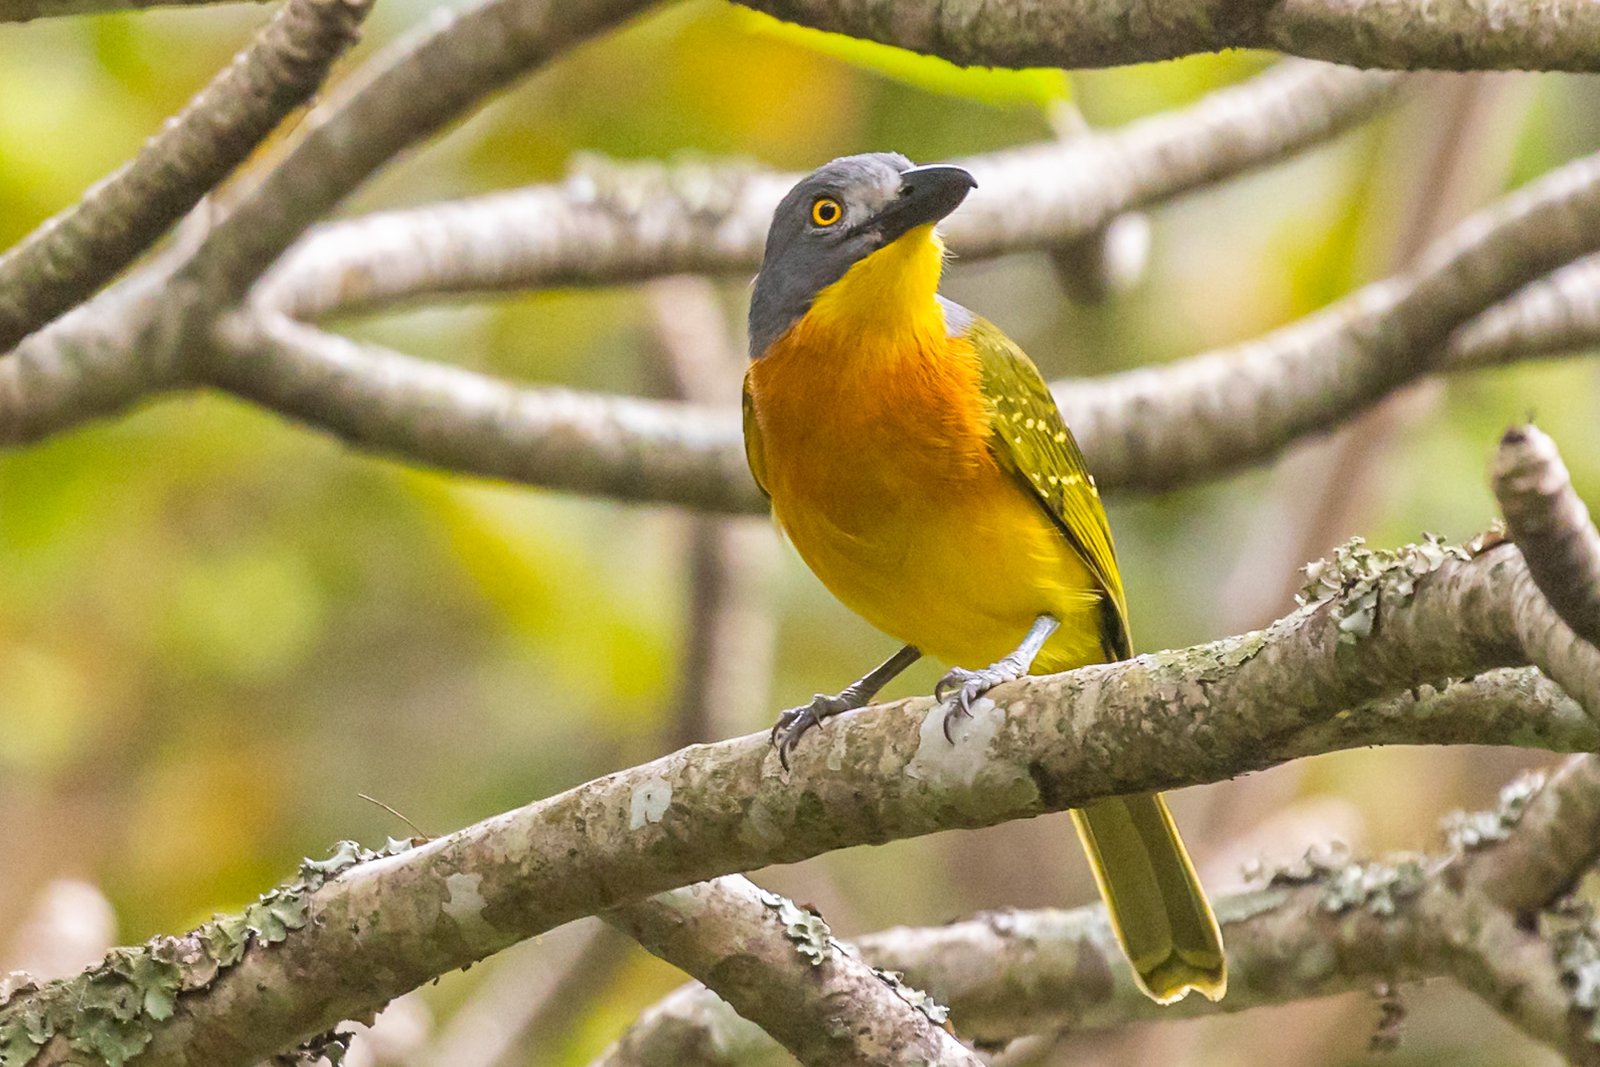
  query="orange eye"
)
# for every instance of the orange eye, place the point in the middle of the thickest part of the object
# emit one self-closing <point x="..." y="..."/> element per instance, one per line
<point x="825" y="211"/>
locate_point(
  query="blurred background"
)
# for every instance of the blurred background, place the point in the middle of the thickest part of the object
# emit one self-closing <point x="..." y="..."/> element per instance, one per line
<point x="217" y="630"/>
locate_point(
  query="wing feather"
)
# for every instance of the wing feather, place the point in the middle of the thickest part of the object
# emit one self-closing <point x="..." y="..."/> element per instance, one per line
<point x="1031" y="441"/>
<point x="753" y="453"/>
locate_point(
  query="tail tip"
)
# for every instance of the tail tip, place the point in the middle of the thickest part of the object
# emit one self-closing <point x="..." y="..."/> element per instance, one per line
<point x="1167" y="989"/>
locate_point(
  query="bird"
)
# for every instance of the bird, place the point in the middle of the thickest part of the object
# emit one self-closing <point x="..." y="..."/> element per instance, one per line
<point x="915" y="458"/>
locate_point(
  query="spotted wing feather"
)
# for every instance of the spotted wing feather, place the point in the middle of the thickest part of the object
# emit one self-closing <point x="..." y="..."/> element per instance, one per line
<point x="1031" y="441"/>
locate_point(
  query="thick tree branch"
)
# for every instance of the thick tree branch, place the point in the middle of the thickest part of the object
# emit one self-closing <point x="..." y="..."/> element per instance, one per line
<point x="101" y="358"/>
<point x="65" y="260"/>
<point x="610" y="222"/>
<point x="1385" y="622"/>
<point x="777" y="963"/>
<point x="1322" y="926"/>
<point x="1403" y="34"/>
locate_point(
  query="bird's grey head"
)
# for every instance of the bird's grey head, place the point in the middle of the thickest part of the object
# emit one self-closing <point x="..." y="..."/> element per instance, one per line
<point x="836" y="216"/>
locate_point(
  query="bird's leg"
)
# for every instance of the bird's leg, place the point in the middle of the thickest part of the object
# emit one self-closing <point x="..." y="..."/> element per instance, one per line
<point x="960" y="686"/>
<point x="796" y="721"/>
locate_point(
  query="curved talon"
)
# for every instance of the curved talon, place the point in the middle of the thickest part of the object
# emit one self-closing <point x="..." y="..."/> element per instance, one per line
<point x="960" y="687"/>
<point x="793" y="723"/>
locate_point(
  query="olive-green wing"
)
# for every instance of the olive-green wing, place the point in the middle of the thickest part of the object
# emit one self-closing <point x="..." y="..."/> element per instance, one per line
<point x="1032" y="441"/>
<point x="753" y="454"/>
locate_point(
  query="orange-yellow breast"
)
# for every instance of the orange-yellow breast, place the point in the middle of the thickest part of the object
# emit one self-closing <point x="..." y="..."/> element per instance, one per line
<point x="873" y="432"/>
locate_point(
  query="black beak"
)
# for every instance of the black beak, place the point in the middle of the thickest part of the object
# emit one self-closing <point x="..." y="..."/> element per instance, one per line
<point x="927" y="194"/>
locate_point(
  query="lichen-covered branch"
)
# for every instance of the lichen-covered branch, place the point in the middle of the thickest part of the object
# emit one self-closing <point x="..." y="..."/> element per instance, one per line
<point x="1381" y="624"/>
<point x="777" y="963"/>
<point x="1551" y="525"/>
<point x="65" y="260"/>
<point x="1325" y="926"/>
<point x="611" y="222"/>
<point x="1404" y="34"/>
<point x="1557" y="839"/>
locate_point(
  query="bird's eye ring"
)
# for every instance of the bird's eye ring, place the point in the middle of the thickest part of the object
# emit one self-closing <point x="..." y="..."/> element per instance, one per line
<point x="825" y="211"/>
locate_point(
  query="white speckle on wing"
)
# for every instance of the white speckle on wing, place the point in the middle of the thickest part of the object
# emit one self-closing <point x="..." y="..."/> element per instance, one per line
<point x="651" y="799"/>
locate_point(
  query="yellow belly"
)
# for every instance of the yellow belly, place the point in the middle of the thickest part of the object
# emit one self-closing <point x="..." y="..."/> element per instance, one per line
<point x="962" y="582"/>
<point x="887" y="490"/>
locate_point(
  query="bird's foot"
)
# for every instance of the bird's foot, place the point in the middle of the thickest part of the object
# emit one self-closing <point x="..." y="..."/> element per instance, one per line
<point x="960" y="687"/>
<point x="793" y="723"/>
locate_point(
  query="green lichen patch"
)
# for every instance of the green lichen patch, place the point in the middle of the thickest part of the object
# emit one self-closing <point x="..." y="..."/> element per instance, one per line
<point x="1379" y="886"/>
<point x="816" y="942"/>
<point x="806" y="929"/>
<point x="1356" y="578"/>
<point x="109" y="1011"/>
<point x="1577" y="952"/>
<point x="1468" y="830"/>
<point x="936" y="1013"/>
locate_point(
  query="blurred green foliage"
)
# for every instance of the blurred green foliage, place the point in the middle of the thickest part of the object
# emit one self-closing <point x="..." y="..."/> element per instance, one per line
<point x="217" y="629"/>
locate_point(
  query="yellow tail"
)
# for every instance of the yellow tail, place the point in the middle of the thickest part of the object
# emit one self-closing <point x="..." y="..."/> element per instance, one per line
<point x="1158" y="910"/>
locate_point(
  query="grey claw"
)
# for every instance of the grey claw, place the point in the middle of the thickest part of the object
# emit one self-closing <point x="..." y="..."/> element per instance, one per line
<point x="795" y="722"/>
<point x="960" y="687"/>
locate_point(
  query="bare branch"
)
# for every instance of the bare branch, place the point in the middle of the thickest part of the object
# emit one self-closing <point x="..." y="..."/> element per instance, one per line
<point x="464" y="421"/>
<point x="99" y="359"/>
<point x="1402" y="34"/>
<point x="418" y="86"/>
<point x="779" y="964"/>
<point x="65" y="260"/>
<point x="609" y="222"/>
<point x="1149" y="429"/>
<point x="26" y="10"/>
<point x="1155" y="429"/>
<point x="534" y="996"/>
<point x="1551" y="525"/>
<point x="1558" y="314"/>
<point x="1385" y="622"/>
